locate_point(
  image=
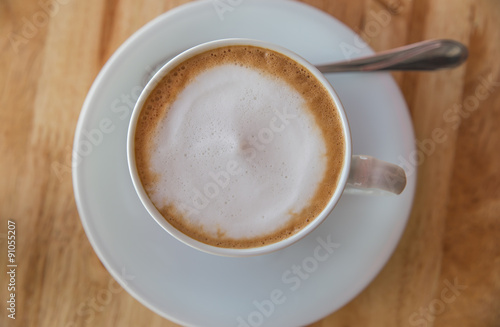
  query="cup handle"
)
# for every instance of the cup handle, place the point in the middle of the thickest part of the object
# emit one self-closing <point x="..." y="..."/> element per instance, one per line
<point x="369" y="175"/>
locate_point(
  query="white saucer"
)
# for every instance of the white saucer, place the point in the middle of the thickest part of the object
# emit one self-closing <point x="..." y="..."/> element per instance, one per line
<point x="197" y="289"/>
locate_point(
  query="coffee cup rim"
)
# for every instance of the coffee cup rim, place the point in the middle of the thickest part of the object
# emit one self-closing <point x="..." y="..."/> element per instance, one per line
<point x="154" y="212"/>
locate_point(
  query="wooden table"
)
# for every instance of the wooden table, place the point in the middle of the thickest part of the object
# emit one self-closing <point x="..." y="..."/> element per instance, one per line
<point x="446" y="269"/>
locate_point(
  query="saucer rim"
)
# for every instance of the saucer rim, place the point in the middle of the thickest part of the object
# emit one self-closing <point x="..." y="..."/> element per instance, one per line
<point x="84" y="210"/>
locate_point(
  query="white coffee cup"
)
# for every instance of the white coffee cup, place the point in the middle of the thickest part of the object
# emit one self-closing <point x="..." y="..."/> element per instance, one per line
<point x="360" y="174"/>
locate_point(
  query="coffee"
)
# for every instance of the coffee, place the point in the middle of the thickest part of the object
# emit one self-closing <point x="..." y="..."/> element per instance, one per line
<point x="239" y="147"/>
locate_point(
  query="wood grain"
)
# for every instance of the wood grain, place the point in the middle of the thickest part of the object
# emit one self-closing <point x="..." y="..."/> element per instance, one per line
<point x="48" y="62"/>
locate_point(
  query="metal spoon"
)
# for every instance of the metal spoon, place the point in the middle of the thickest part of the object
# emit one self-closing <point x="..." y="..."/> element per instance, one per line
<point x="426" y="55"/>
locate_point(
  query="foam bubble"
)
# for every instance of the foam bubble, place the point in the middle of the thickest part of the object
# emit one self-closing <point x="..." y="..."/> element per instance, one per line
<point x="241" y="149"/>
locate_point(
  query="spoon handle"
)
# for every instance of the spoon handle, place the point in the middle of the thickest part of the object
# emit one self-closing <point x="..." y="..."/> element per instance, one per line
<point x="426" y="55"/>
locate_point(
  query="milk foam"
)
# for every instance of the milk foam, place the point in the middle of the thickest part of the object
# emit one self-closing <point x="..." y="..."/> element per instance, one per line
<point x="238" y="153"/>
